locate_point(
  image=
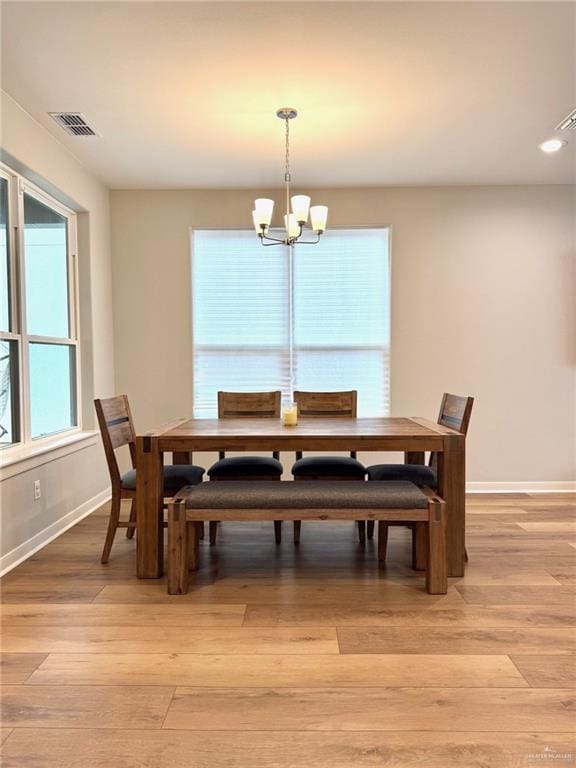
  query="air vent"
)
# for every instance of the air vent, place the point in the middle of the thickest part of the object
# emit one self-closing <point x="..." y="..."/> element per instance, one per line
<point x="569" y="122"/>
<point x="73" y="123"/>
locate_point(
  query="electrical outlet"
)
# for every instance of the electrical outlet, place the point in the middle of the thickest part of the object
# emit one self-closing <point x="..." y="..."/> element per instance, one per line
<point x="37" y="490"/>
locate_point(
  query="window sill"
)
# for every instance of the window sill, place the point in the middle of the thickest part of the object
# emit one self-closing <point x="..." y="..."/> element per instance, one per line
<point x="15" y="461"/>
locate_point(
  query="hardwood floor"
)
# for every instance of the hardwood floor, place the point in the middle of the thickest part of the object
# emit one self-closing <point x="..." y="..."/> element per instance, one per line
<point x="297" y="657"/>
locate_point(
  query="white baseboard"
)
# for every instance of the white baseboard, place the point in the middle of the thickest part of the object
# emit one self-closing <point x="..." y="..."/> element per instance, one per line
<point x="560" y="486"/>
<point x="25" y="550"/>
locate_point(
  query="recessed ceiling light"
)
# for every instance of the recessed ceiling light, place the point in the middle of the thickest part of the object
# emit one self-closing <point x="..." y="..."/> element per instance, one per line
<point x="552" y="145"/>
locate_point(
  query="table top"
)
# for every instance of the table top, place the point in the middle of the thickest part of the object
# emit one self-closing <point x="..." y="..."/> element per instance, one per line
<point x="403" y="433"/>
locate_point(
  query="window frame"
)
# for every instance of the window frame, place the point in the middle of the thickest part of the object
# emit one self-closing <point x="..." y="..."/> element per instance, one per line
<point x="18" y="186"/>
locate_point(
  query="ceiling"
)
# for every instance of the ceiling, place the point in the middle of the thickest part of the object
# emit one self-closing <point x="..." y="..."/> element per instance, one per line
<point x="184" y="94"/>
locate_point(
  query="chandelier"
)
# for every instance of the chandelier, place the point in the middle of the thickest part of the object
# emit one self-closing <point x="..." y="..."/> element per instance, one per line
<point x="295" y="221"/>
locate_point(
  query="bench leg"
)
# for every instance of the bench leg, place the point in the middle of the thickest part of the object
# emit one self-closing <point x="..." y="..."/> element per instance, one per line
<point x="177" y="548"/>
<point x="382" y="540"/>
<point x="194" y="535"/>
<point x="278" y="531"/>
<point x="370" y="529"/>
<point x="436" y="574"/>
<point x="213" y="530"/>
<point x="419" y="546"/>
<point x="297" y="527"/>
<point x="361" y="531"/>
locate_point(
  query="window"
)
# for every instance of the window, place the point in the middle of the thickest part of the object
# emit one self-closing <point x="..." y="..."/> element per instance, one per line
<point x="320" y="323"/>
<point x="38" y="327"/>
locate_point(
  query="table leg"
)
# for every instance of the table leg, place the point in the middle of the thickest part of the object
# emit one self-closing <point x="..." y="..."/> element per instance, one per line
<point x="149" y="509"/>
<point x="452" y="488"/>
<point x="414" y="457"/>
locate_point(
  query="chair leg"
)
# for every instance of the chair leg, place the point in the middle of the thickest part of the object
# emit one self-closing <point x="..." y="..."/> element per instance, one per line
<point x="370" y="529"/>
<point x="361" y="531"/>
<point x="466" y="558"/>
<point x="213" y="530"/>
<point x="130" y="530"/>
<point x="200" y="530"/>
<point x="112" y="527"/>
<point x="297" y="527"/>
<point x="437" y="571"/>
<point x="278" y="531"/>
<point x="419" y="546"/>
<point x="383" y="528"/>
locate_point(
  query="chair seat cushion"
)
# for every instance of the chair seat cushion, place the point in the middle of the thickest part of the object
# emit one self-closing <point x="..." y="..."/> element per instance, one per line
<point x="245" y="466"/>
<point x="329" y="466"/>
<point x="414" y="473"/>
<point x="291" y="494"/>
<point x="176" y="476"/>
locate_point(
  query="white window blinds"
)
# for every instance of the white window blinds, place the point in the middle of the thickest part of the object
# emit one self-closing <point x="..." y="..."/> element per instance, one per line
<point x="241" y="301"/>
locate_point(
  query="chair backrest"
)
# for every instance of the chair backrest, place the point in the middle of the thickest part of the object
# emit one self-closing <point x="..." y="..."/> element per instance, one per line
<point x="455" y="411"/>
<point x="328" y="405"/>
<point x="249" y="405"/>
<point x="117" y="430"/>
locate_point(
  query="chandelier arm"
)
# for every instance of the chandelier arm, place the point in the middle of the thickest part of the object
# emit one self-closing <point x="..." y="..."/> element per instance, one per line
<point x="276" y="242"/>
<point x="272" y="239"/>
<point x="308" y="242"/>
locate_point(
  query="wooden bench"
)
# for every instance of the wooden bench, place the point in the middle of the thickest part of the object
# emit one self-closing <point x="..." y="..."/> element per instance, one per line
<point x="289" y="500"/>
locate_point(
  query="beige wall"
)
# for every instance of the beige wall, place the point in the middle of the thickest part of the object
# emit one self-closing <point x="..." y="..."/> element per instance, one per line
<point x="69" y="482"/>
<point x="483" y="286"/>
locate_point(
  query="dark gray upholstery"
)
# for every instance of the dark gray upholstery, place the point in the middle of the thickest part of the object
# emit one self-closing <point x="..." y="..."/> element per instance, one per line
<point x="296" y="495"/>
<point x="336" y="466"/>
<point x="414" y="473"/>
<point x="245" y="466"/>
<point x="176" y="476"/>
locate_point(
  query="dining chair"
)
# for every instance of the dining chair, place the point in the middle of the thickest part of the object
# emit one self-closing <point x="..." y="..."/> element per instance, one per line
<point x="455" y="412"/>
<point x="250" y="405"/>
<point x="117" y="430"/>
<point x="327" y="405"/>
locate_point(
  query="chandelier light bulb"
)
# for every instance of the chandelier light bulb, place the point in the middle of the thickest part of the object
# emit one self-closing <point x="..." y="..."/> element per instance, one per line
<point x="291" y="224"/>
<point x="300" y="208"/>
<point x="264" y="208"/>
<point x="258" y="223"/>
<point x="318" y="217"/>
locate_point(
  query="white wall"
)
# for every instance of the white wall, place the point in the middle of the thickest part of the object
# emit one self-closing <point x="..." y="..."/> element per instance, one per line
<point x="74" y="482"/>
<point x="483" y="304"/>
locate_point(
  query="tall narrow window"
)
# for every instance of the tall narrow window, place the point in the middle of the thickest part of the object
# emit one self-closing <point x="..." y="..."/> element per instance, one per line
<point x="38" y="329"/>
<point x="327" y="328"/>
<point x="51" y="352"/>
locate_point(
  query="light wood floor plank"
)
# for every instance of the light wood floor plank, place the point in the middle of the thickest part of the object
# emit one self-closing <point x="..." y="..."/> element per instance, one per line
<point x="547" y="671"/>
<point x="557" y="596"/>
<point x="29" y="748"/>
<point x="342" y="615"/>
<point x="370" y="709"/>
<point x="282" y="670"/>
<point x="84" y="706"/>
<point x="159" y="640"/>
<point x="102" y="615"/>
<point x="456" y="640"/>
<point x="16" y="668"/>
<point x="289" y="593"/>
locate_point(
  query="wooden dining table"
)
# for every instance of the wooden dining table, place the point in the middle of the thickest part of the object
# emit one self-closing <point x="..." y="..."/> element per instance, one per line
<point x="413" y="436"/>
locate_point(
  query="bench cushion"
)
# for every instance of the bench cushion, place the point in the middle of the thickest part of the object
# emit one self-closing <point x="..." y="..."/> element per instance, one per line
<point x="335" y="466"/>
<point x="291" y="494"/>
<point x="176" y="476"/>
<point x="414" y="473"/>
<point x="245" y="466"/>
